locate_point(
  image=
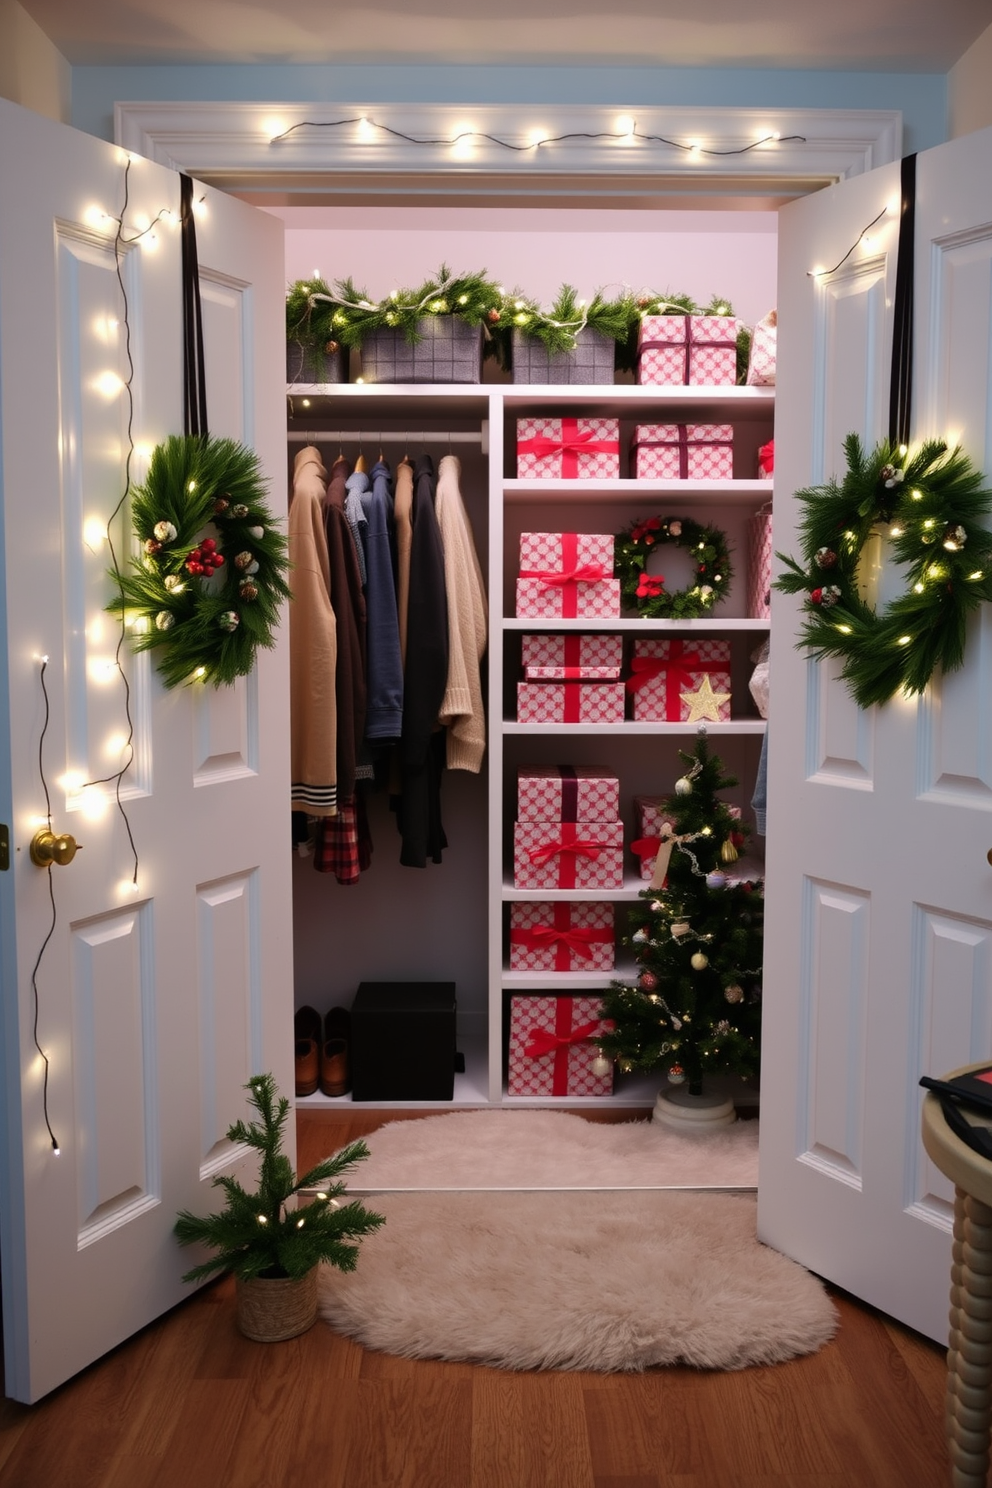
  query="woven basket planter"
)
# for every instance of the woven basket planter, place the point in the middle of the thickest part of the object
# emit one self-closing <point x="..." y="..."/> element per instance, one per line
<point x="307" y="364"/>
<point x="591" y="361"/>
<point x="449" y="351"/>
<point x="271" y="1309"/>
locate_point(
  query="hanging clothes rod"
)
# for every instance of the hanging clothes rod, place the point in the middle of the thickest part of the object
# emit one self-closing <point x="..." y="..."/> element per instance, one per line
<point x="386" y="436"/>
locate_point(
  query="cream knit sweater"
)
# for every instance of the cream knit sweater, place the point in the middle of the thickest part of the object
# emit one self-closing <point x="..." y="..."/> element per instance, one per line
<point x="462" y="708"/>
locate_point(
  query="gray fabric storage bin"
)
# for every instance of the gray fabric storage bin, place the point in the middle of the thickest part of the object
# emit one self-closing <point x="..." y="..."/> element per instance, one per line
<point x="306" y="364"/>
<point x="449" y="351"/>
<point x="590" y="362"/>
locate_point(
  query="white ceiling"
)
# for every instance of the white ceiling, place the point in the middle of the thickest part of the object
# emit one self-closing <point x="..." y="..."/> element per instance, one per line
<point x="849" y="35"/>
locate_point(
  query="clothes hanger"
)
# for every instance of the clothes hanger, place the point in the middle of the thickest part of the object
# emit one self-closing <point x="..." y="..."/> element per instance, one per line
<point x="361" y="465"/>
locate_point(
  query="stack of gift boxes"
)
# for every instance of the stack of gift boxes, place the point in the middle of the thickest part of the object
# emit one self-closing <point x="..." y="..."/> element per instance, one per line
<point x="568" y="835"/>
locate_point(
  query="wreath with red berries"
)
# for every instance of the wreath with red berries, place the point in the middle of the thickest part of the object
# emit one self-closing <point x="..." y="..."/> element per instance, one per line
<point x="646" y="592"/>
<point x="206" y="588"/>
<point x="933" y="505"/>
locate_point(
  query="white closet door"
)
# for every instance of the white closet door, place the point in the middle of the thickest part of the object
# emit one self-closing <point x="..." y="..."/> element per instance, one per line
<point x="155" y="1002"/>
<point x="879" y="925"/>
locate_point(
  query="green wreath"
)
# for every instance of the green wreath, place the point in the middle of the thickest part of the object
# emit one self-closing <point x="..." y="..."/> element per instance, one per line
<point x="933" y="502"/>
<point x="207" y="587"/>
<point x="646" y="592"/>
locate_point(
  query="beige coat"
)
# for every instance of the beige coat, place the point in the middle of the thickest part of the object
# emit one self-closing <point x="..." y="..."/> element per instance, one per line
<point x="462" y="709"/>
<point x="312" y="644"/>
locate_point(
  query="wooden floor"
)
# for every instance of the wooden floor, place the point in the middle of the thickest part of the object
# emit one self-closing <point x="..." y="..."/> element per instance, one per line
<point x="189" y="1403"/>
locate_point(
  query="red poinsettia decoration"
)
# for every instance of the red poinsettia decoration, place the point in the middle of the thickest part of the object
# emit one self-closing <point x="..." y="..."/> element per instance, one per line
<point x="650" y="586"/>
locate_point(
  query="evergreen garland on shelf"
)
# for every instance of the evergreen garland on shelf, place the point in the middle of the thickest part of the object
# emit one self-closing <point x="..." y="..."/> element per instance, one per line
<point x="309" y="320"/>
<point x="933" y="503"/>
<point x="695" y="1007"/>
<point x="559" y="327"/>
<point x="473" y="298"/>
<point x="256" y="1234"/>
<point x="206" y="590"/>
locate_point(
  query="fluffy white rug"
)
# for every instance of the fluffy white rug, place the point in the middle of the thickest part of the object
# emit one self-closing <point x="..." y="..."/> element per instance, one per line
<point x="610" y="1282"/>
<point x="552" y="1149"/>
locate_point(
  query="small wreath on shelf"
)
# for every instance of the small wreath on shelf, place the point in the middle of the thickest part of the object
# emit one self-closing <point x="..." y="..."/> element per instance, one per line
<point x="646" y="592"/>
<point x="206" y="589"/>
<point x="932" y="503"/>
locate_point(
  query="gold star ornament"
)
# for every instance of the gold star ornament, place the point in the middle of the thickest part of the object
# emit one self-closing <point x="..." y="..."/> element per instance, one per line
<point x="704" y="702"/>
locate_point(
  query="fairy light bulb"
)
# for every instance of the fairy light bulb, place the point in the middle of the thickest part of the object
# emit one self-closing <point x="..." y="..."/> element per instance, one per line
<point x="263" y="1219"/>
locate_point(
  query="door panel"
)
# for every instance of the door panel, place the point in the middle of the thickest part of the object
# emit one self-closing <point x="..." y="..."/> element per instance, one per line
<point x="167" y="977"/>
<point x="879" y="892"/>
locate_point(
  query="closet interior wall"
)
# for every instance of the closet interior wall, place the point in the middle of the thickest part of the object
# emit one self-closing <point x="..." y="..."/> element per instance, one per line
<point x="438" y="923"/>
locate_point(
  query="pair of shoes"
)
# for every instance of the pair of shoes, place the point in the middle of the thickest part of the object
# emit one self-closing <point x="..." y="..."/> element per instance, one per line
<point x="308" y="1036"/>
<point x="335" y="1073"/>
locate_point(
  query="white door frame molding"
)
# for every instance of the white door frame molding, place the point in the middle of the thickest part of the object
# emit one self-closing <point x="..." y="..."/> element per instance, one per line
<point x="530" y="150"/>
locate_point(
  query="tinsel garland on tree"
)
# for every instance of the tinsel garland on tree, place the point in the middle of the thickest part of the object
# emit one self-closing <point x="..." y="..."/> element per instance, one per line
<point x="695" y="1008"/>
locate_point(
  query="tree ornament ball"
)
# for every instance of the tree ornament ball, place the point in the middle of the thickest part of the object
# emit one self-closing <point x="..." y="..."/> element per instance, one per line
<point x="683" y="786"/>
<point x="676" y="1075"/>
<point x="648" y="981"/>
<point x="699" y="961"/>
<point x="639" y="936"/>
<point x="716" y="880"/>
<point x="734" y="993"/>
<point x="601" y="1065"/>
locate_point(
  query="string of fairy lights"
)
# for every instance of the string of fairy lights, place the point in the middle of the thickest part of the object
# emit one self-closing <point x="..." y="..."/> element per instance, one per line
<point x="626" y="132"/>
<point x="121" y="243"/>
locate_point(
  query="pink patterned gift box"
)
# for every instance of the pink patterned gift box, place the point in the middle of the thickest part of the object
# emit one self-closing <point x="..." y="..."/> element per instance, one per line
<point x="650" y="817"/>
<point x="564" y="575"/>
<point x="680" y="349"/>
<point x="570" y="702"/>
<point x="759" y="564"/>
<point x="553" y="1046"/>
<point x="567" y="793"/>
<point x="575" y="657"/>
<point x="561" y="936"/>
<point x="568" y="448"/>
<point x="683" y="451"/>
<point x="568" y="855"/>
<point x="663" y="673"/>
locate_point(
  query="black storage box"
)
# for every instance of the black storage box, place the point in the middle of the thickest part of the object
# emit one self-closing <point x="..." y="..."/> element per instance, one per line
<point x="403" y="1041"/>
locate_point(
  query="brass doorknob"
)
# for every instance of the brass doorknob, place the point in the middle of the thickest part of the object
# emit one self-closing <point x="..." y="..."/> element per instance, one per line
<point x="49" y="847"/>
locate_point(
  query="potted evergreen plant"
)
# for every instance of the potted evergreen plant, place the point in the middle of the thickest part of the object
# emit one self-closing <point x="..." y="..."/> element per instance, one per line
<point x="273" y="1250"/>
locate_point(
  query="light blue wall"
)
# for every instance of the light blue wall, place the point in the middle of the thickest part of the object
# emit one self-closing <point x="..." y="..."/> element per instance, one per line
<point x="922" y="97"/>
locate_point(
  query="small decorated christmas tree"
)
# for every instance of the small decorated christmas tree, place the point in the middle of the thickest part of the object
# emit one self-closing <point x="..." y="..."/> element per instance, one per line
<point x="695" y="1008"/>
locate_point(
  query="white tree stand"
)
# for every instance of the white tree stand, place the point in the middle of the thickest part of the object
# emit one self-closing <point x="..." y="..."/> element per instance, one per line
<point x="680" y="1111"/>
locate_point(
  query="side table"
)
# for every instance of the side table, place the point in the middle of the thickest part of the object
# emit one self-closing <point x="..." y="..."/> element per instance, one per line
<point x="969" y="1351"/>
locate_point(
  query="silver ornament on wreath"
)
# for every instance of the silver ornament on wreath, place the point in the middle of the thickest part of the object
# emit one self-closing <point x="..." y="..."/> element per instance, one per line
<point x="230" y="620"/>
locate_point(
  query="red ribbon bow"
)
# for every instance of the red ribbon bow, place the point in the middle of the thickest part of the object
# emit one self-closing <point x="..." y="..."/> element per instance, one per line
<point x="543" y="1041"/>
<point x="586" y="573"/>
<point x="583" y="847"/>
<point x="571" y="443"/>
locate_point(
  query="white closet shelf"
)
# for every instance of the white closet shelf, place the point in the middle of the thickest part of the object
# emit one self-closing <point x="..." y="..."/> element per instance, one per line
<point x="630" y="401"/>
<point x="566" y="981"/>
<point x="684" y="493"/>
<point x="632" y="888"/>
<point x="636" y="627"/>
<point x="630" y="730"/>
